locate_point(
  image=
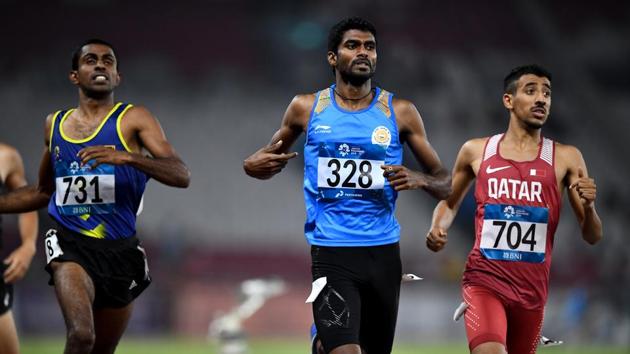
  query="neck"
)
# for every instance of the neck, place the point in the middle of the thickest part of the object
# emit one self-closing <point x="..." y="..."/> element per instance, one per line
<point x="91" y="106"/>
<point x="520" y="134"/>
<point x="354" y="93"/>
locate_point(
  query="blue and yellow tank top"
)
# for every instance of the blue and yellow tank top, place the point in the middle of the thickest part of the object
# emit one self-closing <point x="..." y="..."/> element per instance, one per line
<point x="348" y="201"/>
<point x="100" y="202"/>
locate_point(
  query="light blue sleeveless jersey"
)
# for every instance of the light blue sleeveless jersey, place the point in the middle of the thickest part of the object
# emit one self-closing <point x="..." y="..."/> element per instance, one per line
<point x="348" y="201"/>
<point x="101" y="202"/>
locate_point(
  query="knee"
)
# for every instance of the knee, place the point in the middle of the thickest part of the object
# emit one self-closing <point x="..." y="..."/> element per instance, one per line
<point x="489" y="348"/>
<point x="81" y="338"/>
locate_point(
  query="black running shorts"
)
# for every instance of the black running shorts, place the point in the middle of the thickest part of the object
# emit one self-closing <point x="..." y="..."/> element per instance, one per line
<point x="118" y="268"/>
<point x="359" y="303"/>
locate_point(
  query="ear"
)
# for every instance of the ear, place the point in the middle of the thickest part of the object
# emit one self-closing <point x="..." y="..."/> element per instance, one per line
<point x="118" y="78"/>
<point x="507" y="100"/>
<point x="73" y="77"/>
<point x="332" y="59"/>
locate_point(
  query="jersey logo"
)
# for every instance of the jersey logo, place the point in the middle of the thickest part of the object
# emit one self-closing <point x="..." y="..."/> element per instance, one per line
<point x="322" y="129"/>
<point x="381" y="136"/>
<point x="490" y="170"/>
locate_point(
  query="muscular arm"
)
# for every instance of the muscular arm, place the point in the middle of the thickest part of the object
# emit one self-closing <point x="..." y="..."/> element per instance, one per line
<point x="20" y="259"/>
<point x="33" y="197"/>
<point x="164" y="165"/>
<point x="582" y="192"/>
<point x="271" y="159"/>
<point x="437" y="180"/>
<point x="446" y="210"/>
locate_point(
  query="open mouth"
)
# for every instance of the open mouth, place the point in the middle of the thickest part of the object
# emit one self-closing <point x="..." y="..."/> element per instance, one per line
<point x="539" y="112"/>
<point x="100" y="78"/>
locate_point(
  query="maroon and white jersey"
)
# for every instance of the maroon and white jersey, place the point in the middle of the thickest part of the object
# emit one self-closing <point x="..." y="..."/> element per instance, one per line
<point x="518" y="206"/>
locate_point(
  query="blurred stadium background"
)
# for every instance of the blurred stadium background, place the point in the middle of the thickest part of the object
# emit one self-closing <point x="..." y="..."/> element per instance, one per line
<point x="219" y="74"/>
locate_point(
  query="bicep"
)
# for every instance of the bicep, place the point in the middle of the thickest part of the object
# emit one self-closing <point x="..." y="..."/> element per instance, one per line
<point x="294" y="122"/>
<point x="15" y="177"/>
<point x="463" y="176"/>
<point x="153" y="139"/>
<point x="575" y="163"/>
<point x="412" y="132"/>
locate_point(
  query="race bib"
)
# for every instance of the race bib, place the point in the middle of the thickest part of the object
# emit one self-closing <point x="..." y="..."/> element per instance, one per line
<point x="52" y="245"/>
<point x="82" y="190"/>
<point x="514" y="233"/>
<point x="350" y="171"/>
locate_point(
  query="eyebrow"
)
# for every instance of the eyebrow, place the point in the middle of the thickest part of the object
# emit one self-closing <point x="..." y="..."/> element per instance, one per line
<point x="535" y="83"/>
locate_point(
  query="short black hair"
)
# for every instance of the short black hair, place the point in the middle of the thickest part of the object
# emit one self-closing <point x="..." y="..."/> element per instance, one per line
<point x="509" y="83"/>
<point x="336" y="32"/>
<point x="77" y="52"/>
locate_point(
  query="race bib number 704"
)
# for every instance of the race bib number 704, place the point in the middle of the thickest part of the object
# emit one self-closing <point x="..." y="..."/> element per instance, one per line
<point x="514" y="233"/>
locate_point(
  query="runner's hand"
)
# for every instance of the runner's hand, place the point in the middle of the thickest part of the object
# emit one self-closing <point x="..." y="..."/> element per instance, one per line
<point x="402" y="178"/>
<point x="586" y="189"/>
<point x="266" y="162"/>
<point x="436" y="239"/>
<point x="18" y="263"/>
<point x="103" y="155"/>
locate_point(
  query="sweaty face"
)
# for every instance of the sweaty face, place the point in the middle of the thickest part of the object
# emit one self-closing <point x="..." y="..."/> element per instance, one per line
<point x="531" y="101"/>
<point x="97" y="73"/>
<point x="356" y="56"/>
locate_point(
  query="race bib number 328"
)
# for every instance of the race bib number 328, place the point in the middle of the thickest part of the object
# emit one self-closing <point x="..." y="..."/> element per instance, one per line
<point x="350" y="171"/>
<point x="514" y="233"/>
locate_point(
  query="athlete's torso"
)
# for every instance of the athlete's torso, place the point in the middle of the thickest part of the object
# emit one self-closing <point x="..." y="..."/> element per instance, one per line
<point x="518" y="206"/>
<point x="2" y="191"/>
<point x="348" y="201"/>
<point x="100" y="202"/>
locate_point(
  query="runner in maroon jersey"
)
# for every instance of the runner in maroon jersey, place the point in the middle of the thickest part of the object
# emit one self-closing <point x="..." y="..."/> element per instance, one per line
<point x="520" y="179"/>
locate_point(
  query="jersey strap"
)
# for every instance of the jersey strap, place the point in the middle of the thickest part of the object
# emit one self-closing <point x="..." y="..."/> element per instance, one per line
<point x="491" y="146"/>
<point x="323" y="100"/>
<point x="383" y="103"/>
<point x="546" y="153"/>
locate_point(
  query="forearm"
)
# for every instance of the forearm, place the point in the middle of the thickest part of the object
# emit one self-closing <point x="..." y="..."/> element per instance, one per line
<point x="169" y="170"/>
<point x="439" y="184"/>
<point x="24" y="199"/>
<point x="591" y="226"/>
<point x="443" y="216"/>
<point x="28" y="224"/>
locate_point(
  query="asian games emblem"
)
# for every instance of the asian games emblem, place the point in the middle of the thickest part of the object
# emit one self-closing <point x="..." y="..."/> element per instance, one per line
<point x="509" y="211"/>
<point x="381" y="136"/>
<point x="74" y="167"/>
<point x="344" y="150"/>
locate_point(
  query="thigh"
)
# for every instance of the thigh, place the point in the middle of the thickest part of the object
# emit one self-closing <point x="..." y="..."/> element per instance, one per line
<point x="524" y="328"/>
<point x="75" y="293"/>
<point x="337" y="313"/>
<point x="109" y="325"/>
<point x="379" y="301"/>
<point x="8" y="335"/>
<point x="485" y="318"/>
<point x="337" y="308"/>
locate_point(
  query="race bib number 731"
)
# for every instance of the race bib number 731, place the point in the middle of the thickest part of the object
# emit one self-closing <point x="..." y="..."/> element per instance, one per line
<point x="514" y="233"/>
<point x="82" y="191"/>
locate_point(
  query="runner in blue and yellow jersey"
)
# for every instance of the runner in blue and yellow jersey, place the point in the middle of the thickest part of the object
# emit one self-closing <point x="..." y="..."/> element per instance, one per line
<point x="352" y="175"/>
<point x="92" y="176"/>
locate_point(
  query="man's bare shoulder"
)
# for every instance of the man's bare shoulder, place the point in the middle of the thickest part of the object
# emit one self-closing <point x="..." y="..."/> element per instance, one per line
<point x="303" y="102"/>
<point x="403" y="107"/>
<point x="567" y="154"/>
<point x="9" y="156"/>
<point x="138" y="113"/>
<point x="7" y="151"/>
<point x="474" y="147"/>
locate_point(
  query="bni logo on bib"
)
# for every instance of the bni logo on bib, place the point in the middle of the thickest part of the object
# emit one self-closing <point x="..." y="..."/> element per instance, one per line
<point x="381" y="136"/>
